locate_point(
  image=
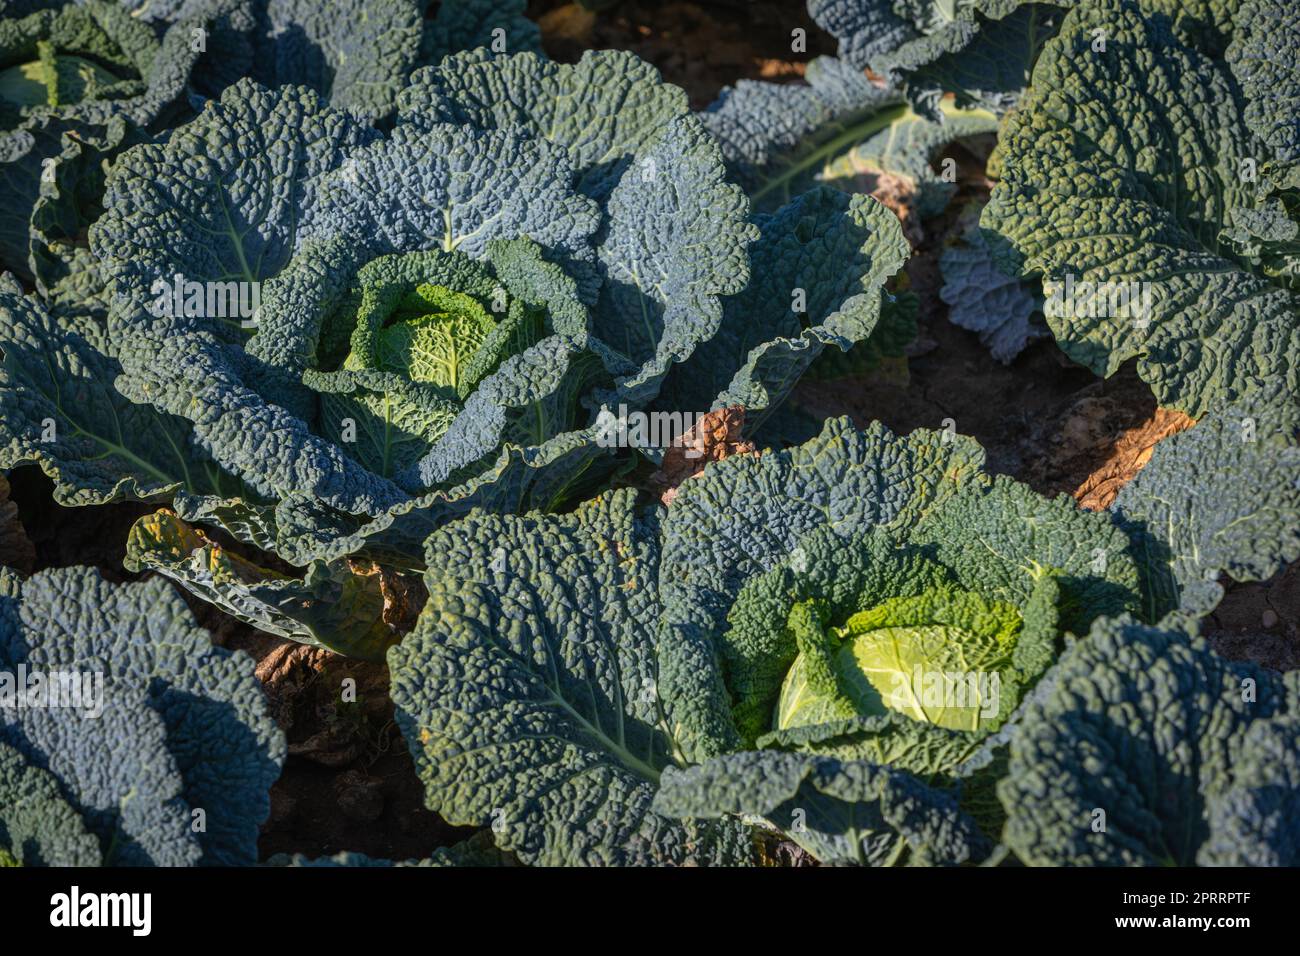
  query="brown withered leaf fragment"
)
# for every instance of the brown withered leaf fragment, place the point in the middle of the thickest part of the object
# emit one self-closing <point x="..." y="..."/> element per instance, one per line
<point x="769" y="69"/>
<point x="1131" y="451"/>
<point x="898" y="193"/>
<point x="404" y="594"/>
<point x="717" y="435"/>
<point x="285" y="671"/>
<point x="773" y="849"/>
<point x="568" y="24"/>
<point x="290" y="662"/>
<point x="16" y="549"/>
<point x="335" y="711"/>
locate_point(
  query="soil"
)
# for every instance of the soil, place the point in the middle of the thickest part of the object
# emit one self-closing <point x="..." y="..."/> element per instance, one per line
<point x="1042" y="419"/>
<point x="349" y="782"/>
<point x="701" y="47"/>
<point x="66" y="536"/>
<point x="1259" y="621"/>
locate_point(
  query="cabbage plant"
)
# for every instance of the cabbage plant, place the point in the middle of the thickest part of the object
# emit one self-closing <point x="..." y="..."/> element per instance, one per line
<point x="1174" y="245"/>
<point x="837" y="641"/>
<point x="126" y="737"/>
<point x="326" y="340"/>
<point x="78" y="81"/>
<point x="980" y="50"/>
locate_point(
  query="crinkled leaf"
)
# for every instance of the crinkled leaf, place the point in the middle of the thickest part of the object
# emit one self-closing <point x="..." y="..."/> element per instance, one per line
<point x="357" y="53"/>
<point x="37" y="826"/>
<point x="64" y="412"/>
<point x="820" y="267"/>
<point x="1254" y="822"/>
<point x="184" y="727"/>
<point x="1121" y="171"/>
<point x="1140" y="743"/>
<point x="333" y="606"/>
<point x="527" y="692"/>
<point x="841" y="812"/>
<point x="840" y="129"/>
<point x="1221" y="497"/>
<point x="983" y="298"/>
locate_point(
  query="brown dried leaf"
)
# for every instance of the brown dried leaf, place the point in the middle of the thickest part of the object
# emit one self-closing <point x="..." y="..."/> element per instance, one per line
<point x="285" y="671"/>
<point x="899" y="194"/>
<point x="717" y="435"/>
<point x="571" y="23"/>
<point x="769" y="69"/>
<point x="290" y="660"/>
<point x="773" y="849"/>
<point x="404" y="598"/>
<point x="1128" y="456"/>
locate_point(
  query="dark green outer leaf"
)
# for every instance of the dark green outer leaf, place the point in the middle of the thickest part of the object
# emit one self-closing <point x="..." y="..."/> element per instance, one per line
<point x="839" y="251"/>
<point x="1148" y="727"/>
<point x="840" y="129"/>
<point x="37" y="826"/>
<point x="841" y="812"/>
<point x="63" y="411"/>
<point x="184" y="728"/>
<point x="1221" y="497"/>
<point x="528" y="691"/>
<point x="1125" y="166"/>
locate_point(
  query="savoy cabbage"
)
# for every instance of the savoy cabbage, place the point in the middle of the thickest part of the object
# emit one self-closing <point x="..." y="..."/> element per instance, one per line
<point x="1149" y="177"/>
<point x="354" y="290"/>
<point x="444" y="311"/>
<point x="582" y="681"/>
<point x="357" y="54"/>
<point x="1148" y="748"/>
<point x="167" y="761"/>
<point x="838" y="128"/>
<point x="81" y="80"/>
<point x="980" y="50"/>
<point x="78" y="81"/>
<point x="781" y="141"/>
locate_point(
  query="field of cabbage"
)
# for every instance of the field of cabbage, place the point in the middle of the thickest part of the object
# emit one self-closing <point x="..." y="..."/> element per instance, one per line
<point x="549" y="434"/>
